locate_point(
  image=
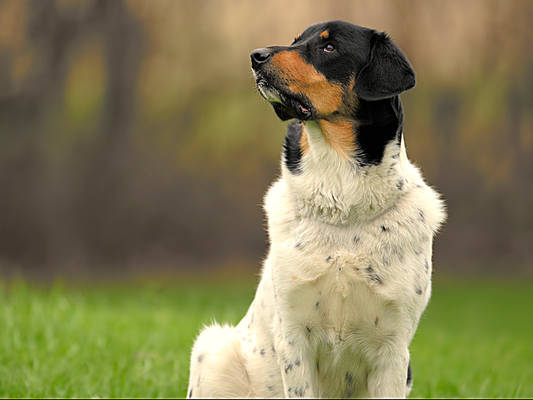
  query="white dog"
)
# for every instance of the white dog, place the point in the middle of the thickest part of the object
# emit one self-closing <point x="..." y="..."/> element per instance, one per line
<point x="351" y="224"/>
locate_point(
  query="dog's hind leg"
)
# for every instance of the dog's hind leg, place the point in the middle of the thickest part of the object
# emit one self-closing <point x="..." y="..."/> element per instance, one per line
<point x="217" y="365"/>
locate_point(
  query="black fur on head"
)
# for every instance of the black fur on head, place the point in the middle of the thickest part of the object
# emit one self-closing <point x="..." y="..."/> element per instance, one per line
<point x="387" y="72"/>
<point x="332" y="58"/>
<point x="338" y="70"/>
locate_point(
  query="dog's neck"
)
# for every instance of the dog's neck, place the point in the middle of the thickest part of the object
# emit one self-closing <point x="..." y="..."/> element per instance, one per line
<point x="343" y="178"/>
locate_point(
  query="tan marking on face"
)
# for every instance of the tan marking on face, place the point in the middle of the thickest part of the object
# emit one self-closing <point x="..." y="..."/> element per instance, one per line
<point x="303" y="78"/>
<point x="340" y="135"/>
<point x="304" y="142"/>
<point x="325" y="34"/>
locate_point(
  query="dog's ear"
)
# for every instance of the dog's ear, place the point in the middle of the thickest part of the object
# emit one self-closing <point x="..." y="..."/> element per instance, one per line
<point x="387" y="72"/>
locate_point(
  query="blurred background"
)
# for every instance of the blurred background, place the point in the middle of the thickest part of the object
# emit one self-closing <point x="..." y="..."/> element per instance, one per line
<point x="135" y="152"/>
<point x="132" y="139"/>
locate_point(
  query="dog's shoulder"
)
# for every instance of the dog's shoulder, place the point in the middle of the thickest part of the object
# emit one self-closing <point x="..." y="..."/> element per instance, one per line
<point x="423" y="202"/>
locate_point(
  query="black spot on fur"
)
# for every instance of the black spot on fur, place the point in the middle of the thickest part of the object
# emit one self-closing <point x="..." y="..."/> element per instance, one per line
<point x="418" y="291"/>
<point x="317" y="305"/>
<point x="190" y="394"/>
<point x="375" y="278"/>
<point x="399" y="184"/>
<point x="318" y="365"/>
<point x="270" y="388"/>
<point x="409" y="374"/>
<point x="262" y="352"/>
<point x="376" y="321"/>
<point x="200" y="358"/>
<point x="288" y="367"/>
<point x="356" y="239"/>
<point x="297" y="363"/>
<point x="308" y="329"/>
<point x="299" y="245"/>
<point x="329" y="258"/>
<point x="348" y="378"/>
<point x="384" y="228"/>
<point x="273" y="349"/>
<point x="292" y="152"/>
<point x="369" y="269"/>
<point x="426" y="265"/>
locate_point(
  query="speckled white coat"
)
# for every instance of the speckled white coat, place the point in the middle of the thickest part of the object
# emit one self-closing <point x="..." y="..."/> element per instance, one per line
<point x="346" y="280"/>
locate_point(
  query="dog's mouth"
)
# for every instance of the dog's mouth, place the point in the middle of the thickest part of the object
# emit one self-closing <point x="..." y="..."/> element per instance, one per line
<point x="286" y="105"/>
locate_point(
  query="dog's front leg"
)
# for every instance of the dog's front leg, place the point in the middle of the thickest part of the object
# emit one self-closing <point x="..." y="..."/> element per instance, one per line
<point x="388" y="377"/>
<point x="298" y="368"/>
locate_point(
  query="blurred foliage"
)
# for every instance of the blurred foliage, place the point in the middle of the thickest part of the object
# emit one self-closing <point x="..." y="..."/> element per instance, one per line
<point x="131" y="133"/>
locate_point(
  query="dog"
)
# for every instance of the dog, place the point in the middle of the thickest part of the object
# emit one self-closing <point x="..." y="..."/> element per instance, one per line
<point x="350" y="222"/>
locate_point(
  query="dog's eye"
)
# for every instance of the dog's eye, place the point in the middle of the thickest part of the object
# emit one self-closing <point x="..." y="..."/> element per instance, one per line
<point x="329" y="48"/>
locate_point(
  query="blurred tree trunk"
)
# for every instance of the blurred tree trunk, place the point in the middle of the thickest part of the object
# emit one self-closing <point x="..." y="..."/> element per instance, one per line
<point x="124" y="48"/>
<point x="107" y="168"/>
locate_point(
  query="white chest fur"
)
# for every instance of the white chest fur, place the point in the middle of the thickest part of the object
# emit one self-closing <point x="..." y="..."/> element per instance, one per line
<point x="349" y="264"/>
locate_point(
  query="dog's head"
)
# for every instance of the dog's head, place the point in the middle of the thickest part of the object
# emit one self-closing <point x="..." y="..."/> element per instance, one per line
<point x="328" y="69"/>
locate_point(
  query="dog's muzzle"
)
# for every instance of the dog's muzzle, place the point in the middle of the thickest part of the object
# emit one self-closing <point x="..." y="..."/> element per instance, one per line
<point x="287" y="105"/>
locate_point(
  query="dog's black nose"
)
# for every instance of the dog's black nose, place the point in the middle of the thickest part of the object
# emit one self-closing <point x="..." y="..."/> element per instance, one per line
<point x="259" y="56"/>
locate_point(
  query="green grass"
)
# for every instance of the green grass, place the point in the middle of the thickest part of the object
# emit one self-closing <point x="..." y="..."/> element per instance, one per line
<point x="475" y="339"/>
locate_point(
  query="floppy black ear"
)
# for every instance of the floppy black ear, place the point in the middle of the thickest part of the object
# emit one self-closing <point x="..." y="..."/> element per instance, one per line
<point x="387" y="73"/>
